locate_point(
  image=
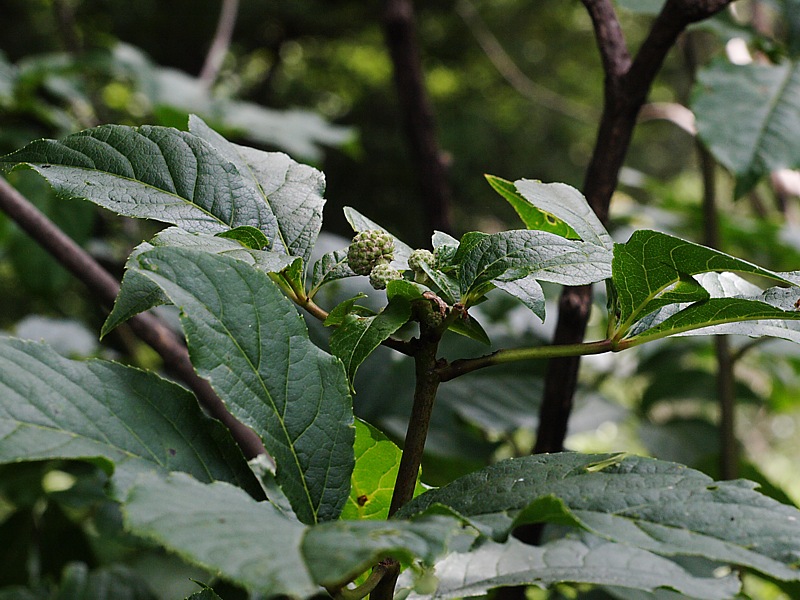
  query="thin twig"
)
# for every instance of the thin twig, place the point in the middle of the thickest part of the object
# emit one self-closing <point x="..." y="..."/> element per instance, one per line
<point x="221" y="42"/>
<point x="150" y="329"/>
<point x="505" y="65"/>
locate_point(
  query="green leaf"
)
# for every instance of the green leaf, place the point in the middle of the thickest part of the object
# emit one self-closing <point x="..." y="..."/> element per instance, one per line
<point x="52" y="407"/>
<point x="447" y="284"/>
<point x="512" y="255"/>
<point x="528" y="291"/>
<point x="569" y="205"/>
<point x="576" y="559"/>
<point x="251" y="543"/>
<point x="654" y="505"/>
<point x="330" y="267"/>
<point x="222" y="529"/>
<point x="402" y="288"/>
<point x="152" y="173"/>
<point x="749" y="116"/>
<point x="361" y="223"/>
<point x="249" y="237"/>
<point x="340" y="311"/>
<point x="730" y="312"/>
<point x="291" y="192"/>
<point x="138" y="293"/>
<point x="531" y="216"/>
<point x="357" y="337"/>
<point x="248" y="340"/>
<point x="377" y="463"/>
<point x="367" y="542"/>
<point x="471" y="328"/>
<point x="650" y="263"/>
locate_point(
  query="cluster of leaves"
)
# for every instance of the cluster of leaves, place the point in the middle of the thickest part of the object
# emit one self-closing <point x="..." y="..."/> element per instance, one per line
<point x="237" y="264"/>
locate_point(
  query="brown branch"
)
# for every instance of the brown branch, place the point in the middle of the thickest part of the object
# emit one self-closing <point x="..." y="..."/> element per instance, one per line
<point x="429" y="160"/>
<point x="610" y="39"/>
<point x="150" y="329"/>
<point x="627" y="84"/>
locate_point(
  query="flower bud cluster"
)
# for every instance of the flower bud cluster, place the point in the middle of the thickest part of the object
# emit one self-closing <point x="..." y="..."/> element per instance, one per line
<point x="370" y="254"/>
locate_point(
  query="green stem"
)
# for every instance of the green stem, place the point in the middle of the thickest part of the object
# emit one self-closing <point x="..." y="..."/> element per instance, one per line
<point x="362" y="591"/>
<point x="467" y="365"/>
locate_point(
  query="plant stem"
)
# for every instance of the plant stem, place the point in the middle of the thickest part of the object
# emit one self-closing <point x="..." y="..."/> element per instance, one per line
<point x="374" y="579"/>
<point x="431" y="327"/>
<point x="726" y="388"/>
<point x="146" y="326"/>
<point x="467" y="365"/>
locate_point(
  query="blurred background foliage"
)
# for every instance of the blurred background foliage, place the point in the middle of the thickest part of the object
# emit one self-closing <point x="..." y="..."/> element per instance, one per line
<point x="517" y="89"/>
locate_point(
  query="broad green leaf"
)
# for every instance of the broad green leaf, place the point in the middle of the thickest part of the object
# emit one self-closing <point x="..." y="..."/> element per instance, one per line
<point x="569" y="205"/>
<point x="132" y="421"/>
<point x="249" y="237"/>
<point x="138" y="293"/>
<point x="447" y="284"/>
<point x="512" y="255"/>
<point x="330" y="267"/>
<point x="152" y="173"/>
<point x="650" y="263"/>
<point x="471" y="328"/>
<point x="292" y="192"/>
<point x="583" y="559"/>
<point x="220" y="528"/>
<point x="528" y="291"/>
<point x="402" y="288"/>
<point x="532" y="217"/>
<point x="377" y="462"/>
<point x="361" y="223"/>
<point x="367" y="542"/>
<point x="248" y="340"/>
<point x="736" y="307"/>
<point x="251" y="543"/>
<point x="749" y="116"/>
<point x="654" y="505"/>
<point x="357" y="337"/>
<point x="736" y="314"/>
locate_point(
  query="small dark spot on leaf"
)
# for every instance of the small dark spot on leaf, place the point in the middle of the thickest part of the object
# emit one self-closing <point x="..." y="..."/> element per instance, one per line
<point x="551" y="219"/>
<point x="362" y="500"/>
<point x="220" y="519"/>
<point x="733" y="518"/>
<point x="46" y="166"/>
<point x="172" y="451"/>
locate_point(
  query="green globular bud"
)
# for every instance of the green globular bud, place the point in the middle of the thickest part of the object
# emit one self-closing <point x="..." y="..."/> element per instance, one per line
<point x="368" y="249"/>
<point x="418" y="258"/>
<point x="382" y="274"/>
<point x="416" y="261"/>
